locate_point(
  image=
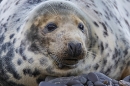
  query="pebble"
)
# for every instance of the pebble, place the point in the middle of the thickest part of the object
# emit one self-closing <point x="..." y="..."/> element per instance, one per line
<point x="102" y="76"/>
<point x="90" y="79"/>
<point x="116" y="84"/>
<point x="89" y="83"/>
<point x="127" y="78"/>
<point x="49" y="84"/>
<point x="99" y="83"/>
<point x="85" y="76"/>
<point x="48" y="78"/>
<point x="78" y="85"/>
<point x="114" y="81"/>
<point x="73" y="82"/>
<point x="81" y="79"/>
<point x="62" y="81"/>
<point x="110" y="83"/>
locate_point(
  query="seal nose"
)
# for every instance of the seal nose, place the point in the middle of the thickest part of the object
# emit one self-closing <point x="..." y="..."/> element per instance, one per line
<point x="74" y="49"/>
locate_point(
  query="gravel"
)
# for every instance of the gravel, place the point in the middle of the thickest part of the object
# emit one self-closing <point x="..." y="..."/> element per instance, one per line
<point x="90" y="79"/>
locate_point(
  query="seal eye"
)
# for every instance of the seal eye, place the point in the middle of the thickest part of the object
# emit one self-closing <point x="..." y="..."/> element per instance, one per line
<point x="81" y="26"/>
<point x="51" y="27"/>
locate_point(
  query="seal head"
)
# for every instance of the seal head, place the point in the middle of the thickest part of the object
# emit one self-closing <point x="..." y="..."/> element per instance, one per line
<point x="60" y="33"/>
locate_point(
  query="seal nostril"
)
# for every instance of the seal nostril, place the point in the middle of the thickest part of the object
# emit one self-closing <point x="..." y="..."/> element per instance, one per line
<point x="71" y="47"/>
<point x="78" y="45"/>
<point x="78" y="49"/>
<point x="74" y="49"/>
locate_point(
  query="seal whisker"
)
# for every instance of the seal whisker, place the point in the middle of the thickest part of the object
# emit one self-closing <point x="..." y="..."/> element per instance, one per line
<point x="53" y="9"/>
<point x="56" y="59"/>
<point x="93" y="54"/>
<point x="49" y="11"/>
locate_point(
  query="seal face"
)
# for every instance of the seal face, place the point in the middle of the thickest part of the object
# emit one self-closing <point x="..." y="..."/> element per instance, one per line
<point x="64" y="38"/>
<point x="60" y="38"/>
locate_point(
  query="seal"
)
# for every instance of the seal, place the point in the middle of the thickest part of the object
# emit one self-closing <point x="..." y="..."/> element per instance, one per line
<point x="62" y="38"/>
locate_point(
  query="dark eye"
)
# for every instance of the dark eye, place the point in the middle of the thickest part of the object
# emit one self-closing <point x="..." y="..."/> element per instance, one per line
<point x="51" y="27"/>
<point x="81" y="26"/>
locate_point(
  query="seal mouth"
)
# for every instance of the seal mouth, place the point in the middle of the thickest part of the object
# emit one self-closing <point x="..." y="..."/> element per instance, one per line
<point x="68" y="64"/>
<point x="70" y="61"/>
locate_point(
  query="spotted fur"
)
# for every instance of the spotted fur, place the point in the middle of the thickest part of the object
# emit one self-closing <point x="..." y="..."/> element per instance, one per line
<point x="24" y="60"/>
